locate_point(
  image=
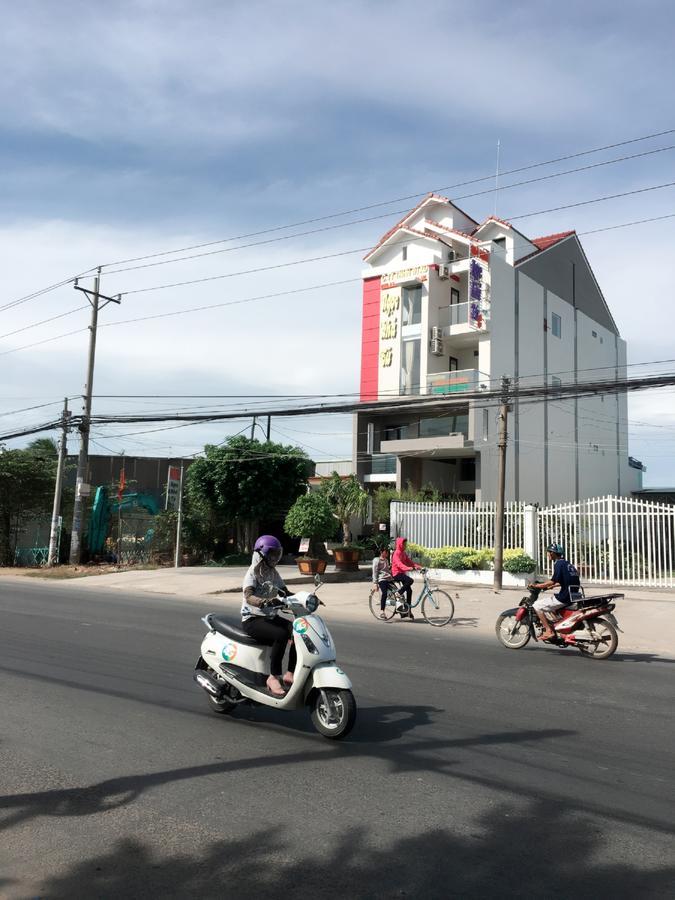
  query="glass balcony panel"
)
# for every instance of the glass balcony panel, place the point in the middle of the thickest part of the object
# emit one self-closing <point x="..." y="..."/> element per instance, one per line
<point x="383" y="464"/>
<point x="453" y="382"/>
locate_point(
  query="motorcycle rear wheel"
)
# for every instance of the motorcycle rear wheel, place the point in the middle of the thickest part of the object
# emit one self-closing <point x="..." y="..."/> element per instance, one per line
<point x="511" y="633"/>
<point x="607" y="643"/>
<point x="336" y="720"/>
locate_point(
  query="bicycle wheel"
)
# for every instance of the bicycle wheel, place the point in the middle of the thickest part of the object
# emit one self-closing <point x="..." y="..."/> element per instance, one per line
<point x="374" y="604"/>
<point x="437" y="607"/>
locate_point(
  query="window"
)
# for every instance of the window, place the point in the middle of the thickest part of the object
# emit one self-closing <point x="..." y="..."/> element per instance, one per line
<point x="467" y="470"/>
<point x="453" y="364"/>
<point x="404" y="252"/>
<point x="486" y="424"/>
<point x="410" y="367"/>
<point x="412" y="305"/>
<point x="556" y="325"/>
<point x="454" y="296"/>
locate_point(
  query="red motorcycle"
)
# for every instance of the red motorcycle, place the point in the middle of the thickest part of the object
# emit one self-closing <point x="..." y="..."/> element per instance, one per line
<point x="587" y="624"/>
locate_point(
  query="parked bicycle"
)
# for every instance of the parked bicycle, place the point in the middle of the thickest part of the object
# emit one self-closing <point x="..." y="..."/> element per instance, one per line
<point x="437" y="605"/>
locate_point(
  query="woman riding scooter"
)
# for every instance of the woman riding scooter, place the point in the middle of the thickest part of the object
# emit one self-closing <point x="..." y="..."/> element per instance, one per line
<point x="261" y="622"/>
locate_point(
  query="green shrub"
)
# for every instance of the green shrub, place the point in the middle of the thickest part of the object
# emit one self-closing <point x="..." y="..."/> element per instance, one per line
<point x="518" y="561"/>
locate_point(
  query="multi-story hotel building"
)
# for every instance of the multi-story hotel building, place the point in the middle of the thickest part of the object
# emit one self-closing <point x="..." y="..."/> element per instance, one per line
<point x="451" y="305"/>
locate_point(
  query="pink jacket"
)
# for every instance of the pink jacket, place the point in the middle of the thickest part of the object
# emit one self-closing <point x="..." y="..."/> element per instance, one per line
<point x="400" y="561"/>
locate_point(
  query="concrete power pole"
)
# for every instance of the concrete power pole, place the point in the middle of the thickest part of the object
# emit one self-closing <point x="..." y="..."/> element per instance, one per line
<point x="179" y="523"/>
<point x="94" y="297"/>
<point x="55" y="532"/>
<point x="501" y="484"/>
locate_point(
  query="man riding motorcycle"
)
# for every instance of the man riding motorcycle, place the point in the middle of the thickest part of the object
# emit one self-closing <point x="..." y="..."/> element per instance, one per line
<point x="565" y="577"/>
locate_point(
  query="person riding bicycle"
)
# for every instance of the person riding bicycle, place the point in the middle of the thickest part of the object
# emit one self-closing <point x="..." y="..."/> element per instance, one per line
<point x="401" y="564"/>
<point x="259" y="618"/>
<point x="565" y="577"/>
<point x="382" y="577"/>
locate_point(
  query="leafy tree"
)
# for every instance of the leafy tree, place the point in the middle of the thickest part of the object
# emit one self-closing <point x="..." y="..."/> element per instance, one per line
<point x="244" y="481"/>
<point x="311" y="516"/>
<point x="346" y="498"/>
<point x="27" y="480"/>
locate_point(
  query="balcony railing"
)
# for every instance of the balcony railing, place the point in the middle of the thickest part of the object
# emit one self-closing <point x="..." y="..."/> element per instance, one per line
<point x="383" y="464"/>
<point x="456" y="314"/>
<point x="453" y="382"/>
<point x="439" y="426"/>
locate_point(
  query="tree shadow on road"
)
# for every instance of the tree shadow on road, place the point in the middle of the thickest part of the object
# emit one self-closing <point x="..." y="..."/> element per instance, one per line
<point x="425" y="755"/>
<point x="542" y="849"/>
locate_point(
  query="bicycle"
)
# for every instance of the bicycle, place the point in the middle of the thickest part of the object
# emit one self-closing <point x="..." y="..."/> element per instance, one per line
<point x="437" y="605"/>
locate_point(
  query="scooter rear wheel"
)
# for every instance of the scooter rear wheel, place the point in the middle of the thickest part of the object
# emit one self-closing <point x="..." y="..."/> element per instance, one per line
<point x="336" y="719"/>
<point x="513" y="634"/>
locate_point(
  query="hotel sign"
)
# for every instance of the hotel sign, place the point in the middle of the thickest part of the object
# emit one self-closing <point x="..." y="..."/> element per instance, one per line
<point x="415" y="273"/>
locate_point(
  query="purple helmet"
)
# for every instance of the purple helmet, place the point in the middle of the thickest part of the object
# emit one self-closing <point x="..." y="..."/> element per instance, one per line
<point x="269" y="548"/>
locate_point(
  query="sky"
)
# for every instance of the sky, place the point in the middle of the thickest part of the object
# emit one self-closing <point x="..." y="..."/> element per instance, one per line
<point x="130" y="128"/>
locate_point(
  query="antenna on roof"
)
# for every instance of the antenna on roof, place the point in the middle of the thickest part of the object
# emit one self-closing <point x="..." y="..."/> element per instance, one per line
<point x="497" y="176"/>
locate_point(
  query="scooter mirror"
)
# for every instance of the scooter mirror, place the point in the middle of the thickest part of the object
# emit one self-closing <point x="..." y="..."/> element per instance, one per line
<point x="317" y="580"/>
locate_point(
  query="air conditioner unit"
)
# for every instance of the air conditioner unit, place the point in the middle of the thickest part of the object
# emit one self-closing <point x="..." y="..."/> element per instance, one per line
<point x="443" y="272"/>
<point x="437" y="348"/>
<point x="436" y="343"/>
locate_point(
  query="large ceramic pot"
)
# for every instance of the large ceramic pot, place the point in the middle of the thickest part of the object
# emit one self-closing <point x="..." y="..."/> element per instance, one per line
<point x="346" y="559"/>
<point x="309" y="566"/>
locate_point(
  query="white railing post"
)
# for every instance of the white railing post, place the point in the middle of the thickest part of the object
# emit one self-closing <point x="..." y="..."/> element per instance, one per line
<point x="530" y="531"/>
<point x="610" y="538"/>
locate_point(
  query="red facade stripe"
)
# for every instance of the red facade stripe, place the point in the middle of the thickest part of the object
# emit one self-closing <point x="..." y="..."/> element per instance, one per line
<point x="370" y="339"/>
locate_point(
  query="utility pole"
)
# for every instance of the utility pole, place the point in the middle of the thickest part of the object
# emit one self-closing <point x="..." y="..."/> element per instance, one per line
<point x="179" y="523"/>
<point x="269" y="427"/>
<point x="501" y="483"/>
<point x="55" y="532"/>
<point x="94" y="297"/>
<point x="253" y="423"/>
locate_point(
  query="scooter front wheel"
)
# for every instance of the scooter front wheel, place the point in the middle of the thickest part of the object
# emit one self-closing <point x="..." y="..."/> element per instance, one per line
<point x="512" y="633"/>
<point x="333" y="712"/>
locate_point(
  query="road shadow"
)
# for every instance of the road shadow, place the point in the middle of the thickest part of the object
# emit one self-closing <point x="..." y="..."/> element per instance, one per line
<point x="539" y="850"/>
<point x="621" y="656"/>
<point x="430" y="755"/>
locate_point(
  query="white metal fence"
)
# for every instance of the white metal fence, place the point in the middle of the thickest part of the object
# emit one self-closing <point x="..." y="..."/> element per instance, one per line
<point x="612" y="540"/>
<point x="461" y="524"/>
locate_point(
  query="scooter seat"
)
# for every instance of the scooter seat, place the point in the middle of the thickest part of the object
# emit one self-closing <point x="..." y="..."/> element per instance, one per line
<point x="222" y="626"/>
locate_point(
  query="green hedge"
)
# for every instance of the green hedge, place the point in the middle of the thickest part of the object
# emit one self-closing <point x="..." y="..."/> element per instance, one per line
<point x="462" y="558"/>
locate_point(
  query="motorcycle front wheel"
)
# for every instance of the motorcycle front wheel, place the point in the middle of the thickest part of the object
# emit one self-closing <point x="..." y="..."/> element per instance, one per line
<point x="335" y="718"/>
<point x="513" y="634"/>
<point x="606" y="642"/>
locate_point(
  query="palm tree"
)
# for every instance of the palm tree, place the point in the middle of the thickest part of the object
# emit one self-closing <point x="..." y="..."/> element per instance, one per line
<point x="346" y="498"/>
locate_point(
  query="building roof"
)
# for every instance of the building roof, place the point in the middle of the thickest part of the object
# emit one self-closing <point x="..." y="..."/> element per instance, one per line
<point x="543" y="243"/>
<point x="408" y="215"/>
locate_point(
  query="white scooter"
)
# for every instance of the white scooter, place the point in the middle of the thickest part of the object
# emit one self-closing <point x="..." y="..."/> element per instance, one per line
<point x="233" y="668"/>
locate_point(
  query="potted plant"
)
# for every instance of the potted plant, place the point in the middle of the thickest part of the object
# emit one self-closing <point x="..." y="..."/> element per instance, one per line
<point x="311" y="516"/>
<point x="346" y="498"/>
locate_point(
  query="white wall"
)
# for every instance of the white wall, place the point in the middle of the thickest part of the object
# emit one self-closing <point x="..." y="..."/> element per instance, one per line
<point x="530" y="367"/>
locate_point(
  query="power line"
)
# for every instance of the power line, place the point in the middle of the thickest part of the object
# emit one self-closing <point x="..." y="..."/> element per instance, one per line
<point x="361" y="221"/>
<point x="391" y="201"/>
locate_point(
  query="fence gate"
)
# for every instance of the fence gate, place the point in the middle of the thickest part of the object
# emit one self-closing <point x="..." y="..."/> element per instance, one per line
<point x="613" y="540"/>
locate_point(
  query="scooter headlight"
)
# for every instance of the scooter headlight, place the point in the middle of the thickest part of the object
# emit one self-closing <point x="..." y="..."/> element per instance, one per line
<point x="312" y="603"/>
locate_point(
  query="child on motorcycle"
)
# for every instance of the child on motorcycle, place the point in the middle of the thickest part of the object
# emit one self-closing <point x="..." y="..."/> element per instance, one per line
<point x="259" y="620"/>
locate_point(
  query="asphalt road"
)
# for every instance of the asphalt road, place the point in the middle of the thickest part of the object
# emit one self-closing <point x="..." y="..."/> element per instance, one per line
<point x="473" y="771"/>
